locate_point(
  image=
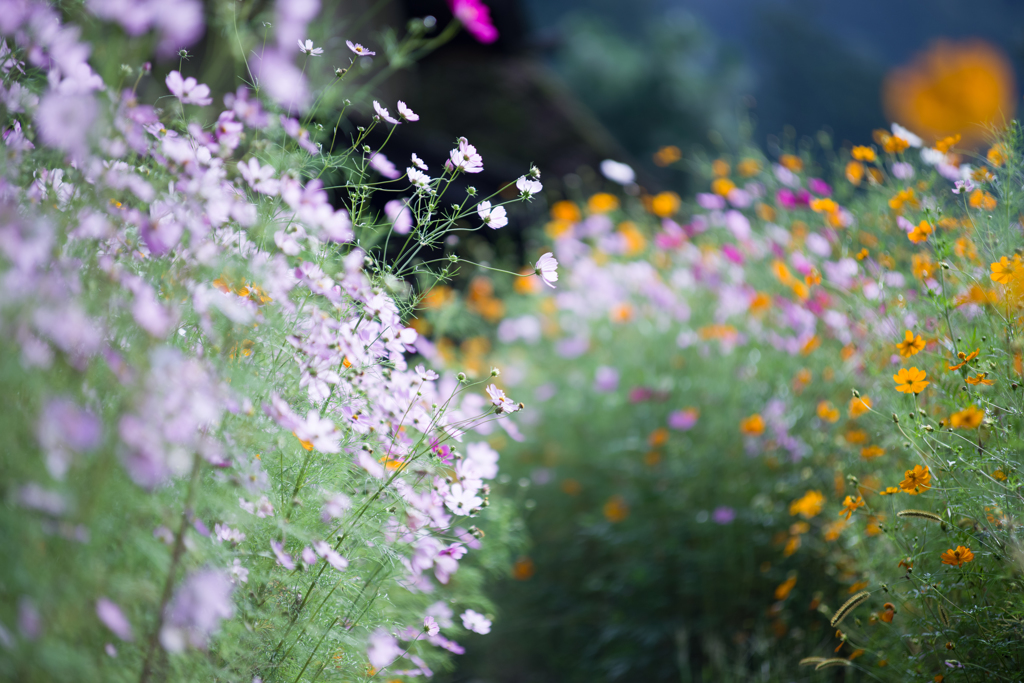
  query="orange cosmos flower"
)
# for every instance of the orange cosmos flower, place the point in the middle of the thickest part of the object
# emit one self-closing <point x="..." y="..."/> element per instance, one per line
<point x="889" y="490"/>
<point x="917" y="480"/>
<point x="602" y="202"/>
<point x="887" y="613"/>
<point x="1004" y="269"/>
<point x="862" y="153"/>
<point x="783" y="590"/>
<point x="910" y="345"/>
<point x="565" y="211"/>
<point x="910" y="381"/>
<point x="947" y="143"/>
<point x="859" y="405"/>
<point x="666" y="204"/>
<point x="792" y="162"/>
<point x="616" y="509"/>
<point x="871" y="452"/>
<point x="979" y="378"/>
<point x="920" y="233"/>
<point x="964" y="359"/>
<point x="752" y="426"/>
<point x="808" y="505"/>
<point x="855" y="172"/>
<point x="722" y="186"/>
<point x="748" y="167"/>
<point x="667" y="156"/>
<point x="958" y="557"/>
<point x="828" y="412"/>
<point x="980" y="199"/>
<point x="964" y="86"/>
<point x="968" y="418"/>
<point x="850" y="506"/>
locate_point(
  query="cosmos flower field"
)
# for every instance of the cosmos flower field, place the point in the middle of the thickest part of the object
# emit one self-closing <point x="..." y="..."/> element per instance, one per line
<point x="266" y="422"/>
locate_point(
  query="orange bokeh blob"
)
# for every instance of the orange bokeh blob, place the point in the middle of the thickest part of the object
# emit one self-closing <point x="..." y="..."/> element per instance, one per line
<point x="954" y="87"/>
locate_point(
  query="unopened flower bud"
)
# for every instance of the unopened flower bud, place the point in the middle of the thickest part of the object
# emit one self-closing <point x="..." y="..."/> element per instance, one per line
<point x="339" y="72"/>
<point x="453" y="258"/>
<point x="461" y="377"/>
<point x="366" y="148"/>
<point x="471" y="191"/>
<point x="895" y="418"/>
<point x="856" y="394"/>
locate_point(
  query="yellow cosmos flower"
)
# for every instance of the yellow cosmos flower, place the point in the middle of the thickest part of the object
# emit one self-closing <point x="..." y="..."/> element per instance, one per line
<point x="910" y="345"/>
<point x="917" y="480"/>
<point x="968" y="418"/>
<point x="920" y="232"/>
<point x="958" y="557"/>
<point x="808" y="505"/>
<point x="850" y="506"/>
<point x="910" y="381"/>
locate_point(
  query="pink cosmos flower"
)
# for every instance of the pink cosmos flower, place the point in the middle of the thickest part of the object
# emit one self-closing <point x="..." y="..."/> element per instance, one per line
<point x="380" y="164"/>
<point x="606" y="378"/>
<point x="684" y="419"/>
<point x="547" y="268"/>
<point x="407" y="114"/>
<point x="430" y="626"/>
<point x="383" y="113"/>
<point x="197" y="609"/>
<point x="65" y="121"/>
<point x="723" y="515"/>
<point x="500" y="401"/>
<point x="962" y="186"/>
<point x="359" y="49"/>
<point x="476" y="17"/>
<point x="416" y="161"/>
<point x="307" y="47"/>
<point x="113" y="618"/>
<point x="383" y="650"/>
<point x="283" y="558"/>
<point x="397" y="211"/>
<point x="493" y="218"/>
<point x="476" y="622"/>
<point x="465" y="158"/>
<point x="188" y="90"/>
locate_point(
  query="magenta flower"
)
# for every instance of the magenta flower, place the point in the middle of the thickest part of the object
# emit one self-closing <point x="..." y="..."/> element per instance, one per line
<point x="723" y="515"/>
<point x="476" y="17"/>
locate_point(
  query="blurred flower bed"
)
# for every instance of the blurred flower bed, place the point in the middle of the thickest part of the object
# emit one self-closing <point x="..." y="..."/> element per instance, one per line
<point x="772" y="430"/>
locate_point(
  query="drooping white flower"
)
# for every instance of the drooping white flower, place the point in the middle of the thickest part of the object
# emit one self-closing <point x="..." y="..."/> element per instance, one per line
<point x="383" y="113"/>
<point x="405" y="113"/>
<point x="547" y="268"/>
